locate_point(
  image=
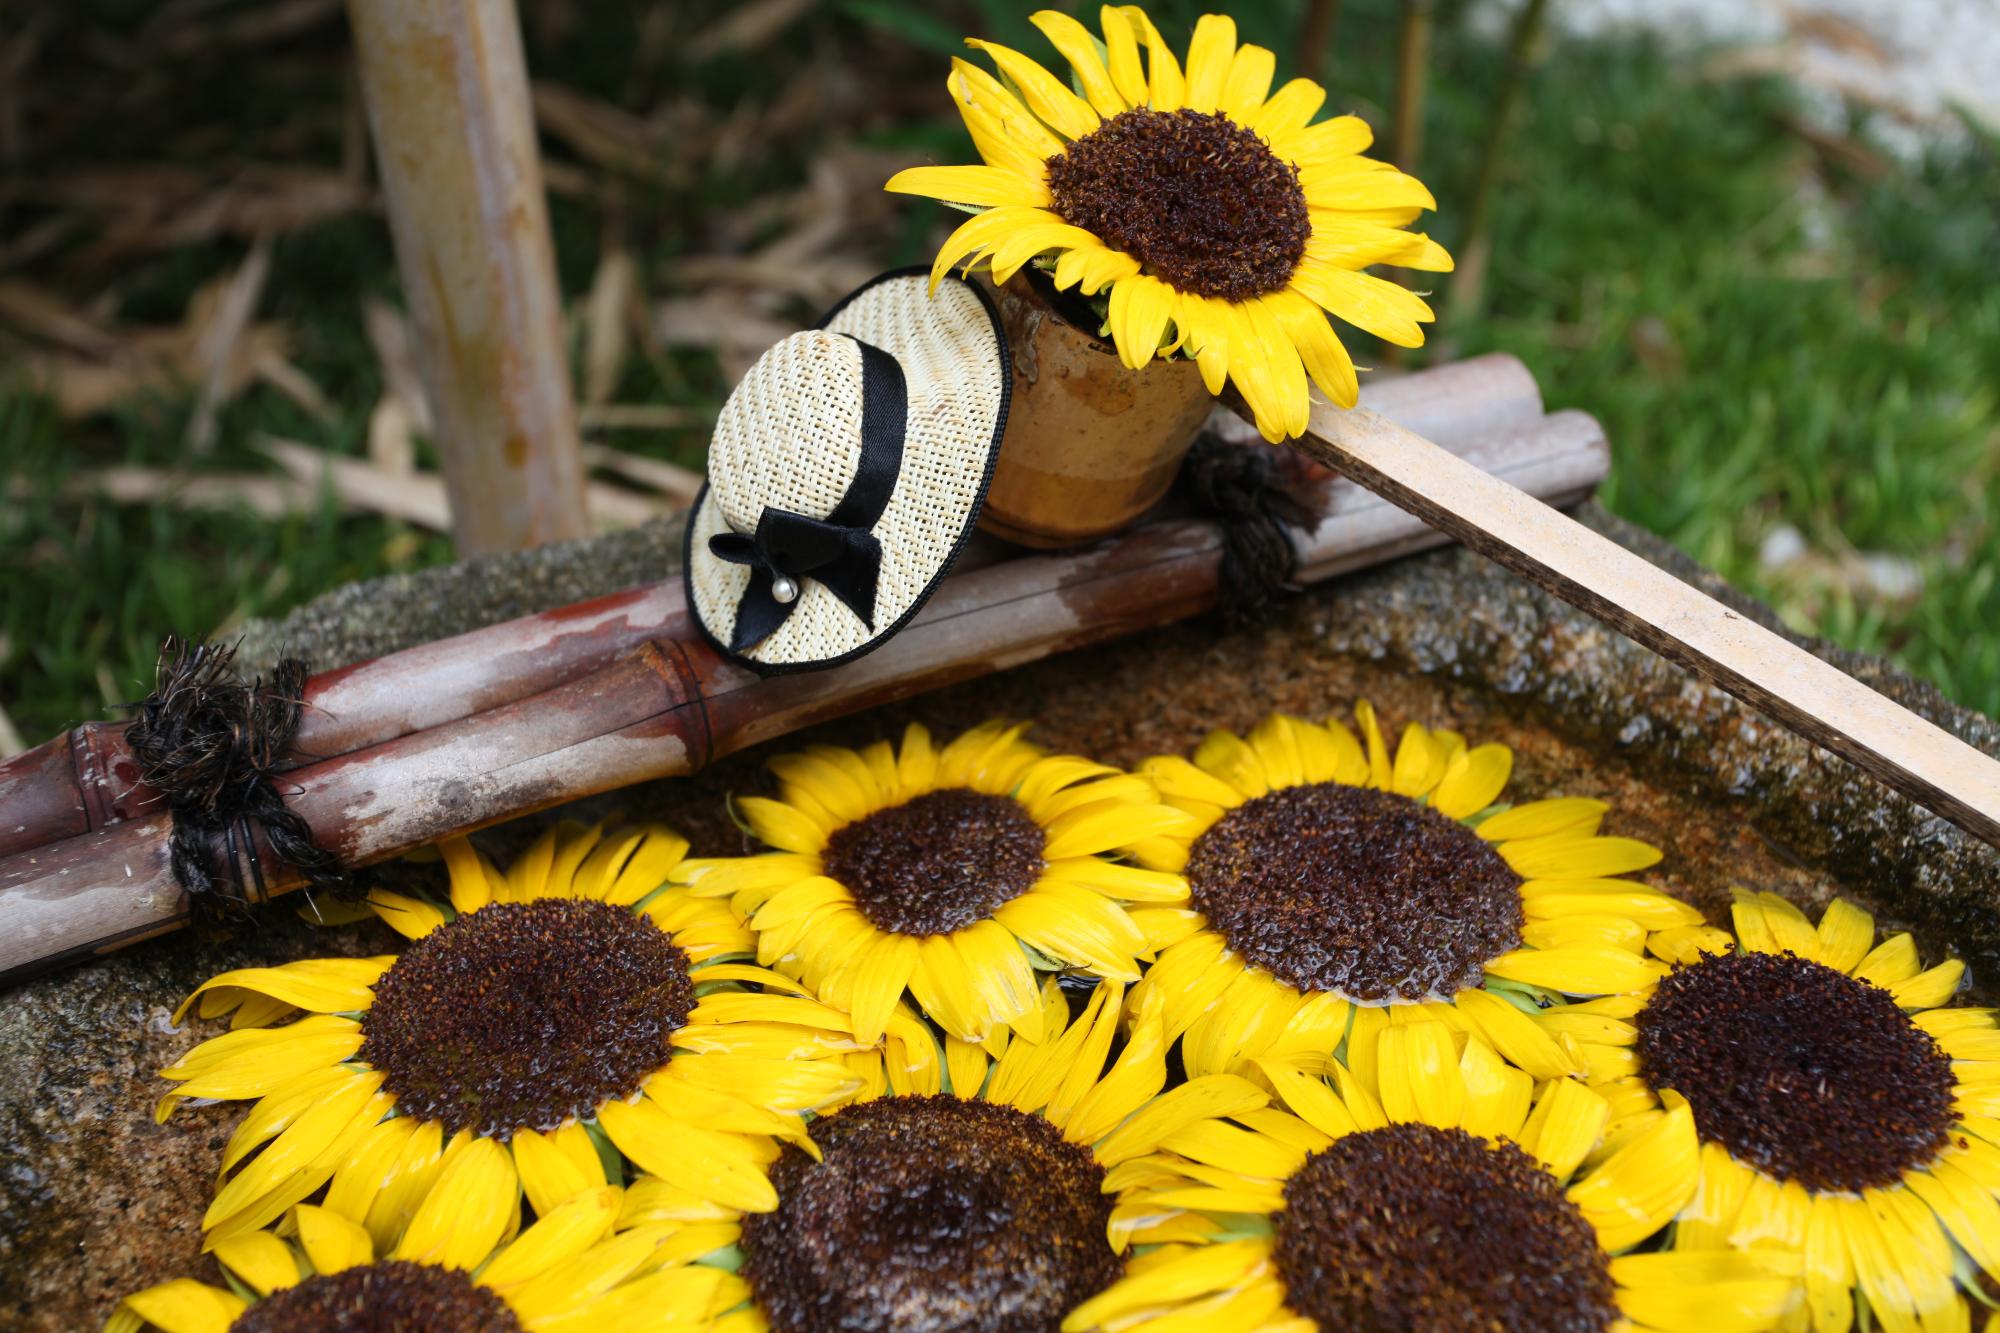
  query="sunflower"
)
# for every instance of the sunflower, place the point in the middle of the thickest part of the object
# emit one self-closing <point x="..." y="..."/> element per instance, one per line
<point x="1844" y="1113"/>
<point x="970" y="1192"/>
<point x="1333" y="881"/>
<point x="1225" y="222"/>
<point x="543" y="1023"/>
<point x="1445" y="1194"/>
<point x="951" y="874"/>
<point x="568" y="1271"/>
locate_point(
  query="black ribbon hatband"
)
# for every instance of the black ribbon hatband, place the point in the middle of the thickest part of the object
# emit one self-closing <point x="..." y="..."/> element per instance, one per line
<point x="839" y="551"/>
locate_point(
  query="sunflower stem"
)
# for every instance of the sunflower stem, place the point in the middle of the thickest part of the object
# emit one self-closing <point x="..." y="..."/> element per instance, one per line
<point x="1316" y="39"/>
<point x="1468" y="285"/>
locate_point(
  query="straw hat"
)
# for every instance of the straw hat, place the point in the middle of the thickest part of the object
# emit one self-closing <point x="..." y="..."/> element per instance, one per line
<point x="845" y="473"/>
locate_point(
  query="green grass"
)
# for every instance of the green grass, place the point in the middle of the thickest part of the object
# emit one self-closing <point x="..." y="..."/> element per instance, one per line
<point x="1766" y="338"/>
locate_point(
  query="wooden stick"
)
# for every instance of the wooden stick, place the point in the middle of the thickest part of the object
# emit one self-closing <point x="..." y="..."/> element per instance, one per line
<point x="667" y="709"/>
<point x="1812" y="698"/>
<point x="447" y="91"/>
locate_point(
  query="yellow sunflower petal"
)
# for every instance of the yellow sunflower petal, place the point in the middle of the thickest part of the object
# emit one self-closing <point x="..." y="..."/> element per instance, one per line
<point x="1045" y="95"/>
<point x="467" y="1210"/>
<point x="1210" y="55"/>
<point x="881" y="976"/>
<point x="1418" y="1077"/>
<point x="1631" y="1195"/>
<point x="299" y="1160"/>
<point x="186" y="1306"/>
<point x="1707" y="1292"/>
<point x="1928" y="990"/>
<point x="559" y="1235"/>
<point x="412" y="918"/>
<point x="1320" y="349"/>
<point x="1549" y="899"/>
<point x="1845" y="934"/>
<point x="1565" y="1125"/>
<point x="1584" y="971"/>
<point x="1121" y="45"/>
<point x="1248" y="82"/>
<point x="263" y="1262"/>
<point x="1328" y="141"/>
<point x="1516" y="1036"/>
<point x="317" y="985"/>
<point x="1080" y="49"/>
<point x="1286" y="112"/>
<point x="1473" y="779"/>
<point x="1090" y="267"/>
<point x="1167" y="87"/>
<point x="1228" y="758"/>
<point x="1564" y="857"/>
<point x="1577" y="816"/>
<point x="782" y="826"/>
<point x="1893" y="960"/>
<point x="550" y="1177"/>
<point x="721" y="1167"/>
<point x="1141" y="308"/>
<point x="1497" y="1095"/>
<point x="1197" y="1099"/>
<point x="1195" y="1271"/>
<point x="333" y="1243"/>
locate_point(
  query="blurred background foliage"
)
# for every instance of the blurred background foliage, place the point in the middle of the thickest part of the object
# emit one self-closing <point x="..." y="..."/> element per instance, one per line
<point x="1791" y="336"/>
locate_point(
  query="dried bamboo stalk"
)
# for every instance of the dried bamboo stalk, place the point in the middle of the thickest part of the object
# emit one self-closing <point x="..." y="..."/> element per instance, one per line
<point x="85" y="780"/>
<point x="667" y="708"/>
<point x="447" y="90"/>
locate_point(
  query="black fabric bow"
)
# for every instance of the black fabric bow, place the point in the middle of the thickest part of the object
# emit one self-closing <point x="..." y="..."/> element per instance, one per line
<point x="840" y="550"/>
<point x="847" y="560"/>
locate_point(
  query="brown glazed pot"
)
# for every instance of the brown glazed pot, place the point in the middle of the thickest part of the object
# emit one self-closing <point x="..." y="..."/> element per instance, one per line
<point x="1090" y="445"/>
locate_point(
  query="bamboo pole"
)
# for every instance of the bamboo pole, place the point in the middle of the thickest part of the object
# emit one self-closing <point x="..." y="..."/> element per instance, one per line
<point x="1413" y="56"/>
<point x="446" y="85"/>
<point x="85" y="779"/>
<point x="667" y="708"/>
<point x="1466" y="291"/>
<point x="1316" y="38"/>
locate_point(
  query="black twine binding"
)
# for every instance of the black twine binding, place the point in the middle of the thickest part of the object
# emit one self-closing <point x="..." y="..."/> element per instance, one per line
<point x="209" y="743"/>
<point x="1242" y="487"/>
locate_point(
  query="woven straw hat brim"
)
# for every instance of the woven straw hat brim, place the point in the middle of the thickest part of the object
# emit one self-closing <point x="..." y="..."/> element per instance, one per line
<point x="953" y="353"/>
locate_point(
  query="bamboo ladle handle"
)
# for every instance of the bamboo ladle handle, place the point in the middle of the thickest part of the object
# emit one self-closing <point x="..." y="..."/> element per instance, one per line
<point x="1811" y="697"/>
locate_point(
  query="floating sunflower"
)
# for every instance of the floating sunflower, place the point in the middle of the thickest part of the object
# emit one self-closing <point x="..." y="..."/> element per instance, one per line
<point x="953" y="874"/>
<point x="566" y="1272"/>
<point x="1844" y="1114"/>
<point x="977" y="1205"/>
<point x="1331" y="879"/>
<point x="1448" y="1197"/>
<point x="1225" y="222"/>
<point x="543" y="1022"/>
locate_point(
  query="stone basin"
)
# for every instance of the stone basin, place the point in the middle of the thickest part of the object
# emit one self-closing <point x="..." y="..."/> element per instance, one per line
<point x="96" y="1200"/>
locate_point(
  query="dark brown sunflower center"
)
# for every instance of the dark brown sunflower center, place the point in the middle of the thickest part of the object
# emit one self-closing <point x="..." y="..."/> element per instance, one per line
<point x="938" y="862"/>
<point x="1421" y="1230"/>
<point x="1799" y="1070"/>
<point x="390" y="1297"/>
<point x="1363" y="892"/>
<point x="525" y="1015"/>
<point x="1198" y="199"/>
<point x="931" y="1215"/>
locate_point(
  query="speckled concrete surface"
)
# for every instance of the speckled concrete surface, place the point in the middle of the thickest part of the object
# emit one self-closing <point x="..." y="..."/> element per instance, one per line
<point x="96" y="1200"/>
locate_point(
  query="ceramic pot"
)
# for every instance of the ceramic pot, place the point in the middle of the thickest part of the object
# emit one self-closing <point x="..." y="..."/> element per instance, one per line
<point x="1090" y="445"/>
